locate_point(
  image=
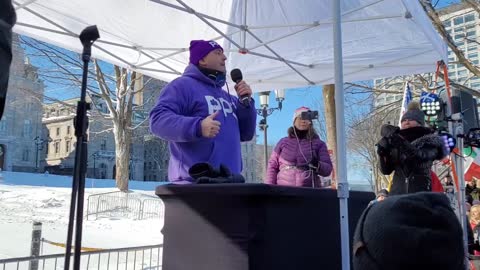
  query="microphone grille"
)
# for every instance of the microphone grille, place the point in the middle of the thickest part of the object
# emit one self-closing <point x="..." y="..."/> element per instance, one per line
<point x="236" y="75"/>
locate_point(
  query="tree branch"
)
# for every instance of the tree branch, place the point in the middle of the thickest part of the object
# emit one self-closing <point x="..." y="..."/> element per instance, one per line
<point x="427" y="5"/>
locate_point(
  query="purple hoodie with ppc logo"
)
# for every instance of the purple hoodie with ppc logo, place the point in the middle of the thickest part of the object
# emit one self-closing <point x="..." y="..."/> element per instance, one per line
<point x="176" y="117"/>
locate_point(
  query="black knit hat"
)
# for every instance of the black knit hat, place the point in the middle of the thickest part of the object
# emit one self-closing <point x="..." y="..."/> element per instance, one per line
<point x="414" y="231"/>
<point x="414" y="113"/>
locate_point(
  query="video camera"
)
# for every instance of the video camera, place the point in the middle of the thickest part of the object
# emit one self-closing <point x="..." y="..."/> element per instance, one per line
<point x="309" y="115"/>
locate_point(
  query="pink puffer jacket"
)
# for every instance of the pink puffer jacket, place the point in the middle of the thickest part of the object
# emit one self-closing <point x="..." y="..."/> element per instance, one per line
<point x="288" y="164"/>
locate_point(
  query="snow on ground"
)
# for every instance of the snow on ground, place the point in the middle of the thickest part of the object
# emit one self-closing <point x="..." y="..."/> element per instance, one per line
<point x="25" y="198"/>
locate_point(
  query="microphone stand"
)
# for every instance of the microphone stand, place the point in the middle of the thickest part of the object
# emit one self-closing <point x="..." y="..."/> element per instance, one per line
<point x="87" y="37"/>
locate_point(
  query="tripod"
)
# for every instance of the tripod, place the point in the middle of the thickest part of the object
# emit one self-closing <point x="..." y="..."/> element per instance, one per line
<point x="87" y="37"/>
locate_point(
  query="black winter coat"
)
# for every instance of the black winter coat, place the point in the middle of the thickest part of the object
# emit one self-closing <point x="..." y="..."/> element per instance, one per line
<point x="410" y="153"/>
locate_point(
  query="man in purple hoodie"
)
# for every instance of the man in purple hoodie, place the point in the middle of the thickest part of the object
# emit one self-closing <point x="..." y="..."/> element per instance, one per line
<point x="201" y="121"/>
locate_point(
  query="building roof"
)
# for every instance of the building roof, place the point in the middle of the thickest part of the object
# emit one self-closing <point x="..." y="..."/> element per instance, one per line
<point x="453" y="8"/>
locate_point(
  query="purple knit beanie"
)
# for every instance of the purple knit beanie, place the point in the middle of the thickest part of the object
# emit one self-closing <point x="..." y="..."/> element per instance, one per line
<point x="200" y="48"/>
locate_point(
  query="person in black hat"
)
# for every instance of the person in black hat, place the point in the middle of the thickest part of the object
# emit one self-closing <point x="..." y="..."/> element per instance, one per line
<point x="413" y="231"/>
<point x="409" y="151"/>
<point x="202" y="122"/>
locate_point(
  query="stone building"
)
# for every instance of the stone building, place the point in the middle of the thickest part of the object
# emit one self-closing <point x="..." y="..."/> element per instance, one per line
<point x="60" y="158"/>
<point x="21" y="146"/>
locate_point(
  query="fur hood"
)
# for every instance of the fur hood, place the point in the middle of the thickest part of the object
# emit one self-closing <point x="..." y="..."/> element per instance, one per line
<point x="431" y="141"/>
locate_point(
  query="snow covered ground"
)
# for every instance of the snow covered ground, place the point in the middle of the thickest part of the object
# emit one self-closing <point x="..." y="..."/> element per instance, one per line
<point x="26" y="198"/>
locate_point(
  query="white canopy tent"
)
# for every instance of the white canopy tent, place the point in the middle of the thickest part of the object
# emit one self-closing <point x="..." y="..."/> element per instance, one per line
<point x="286" y="43"/>
<point x="276" y="43"/>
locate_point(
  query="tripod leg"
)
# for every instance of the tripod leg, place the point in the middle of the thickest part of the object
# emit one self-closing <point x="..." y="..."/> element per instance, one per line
<point x="80" y="204"/>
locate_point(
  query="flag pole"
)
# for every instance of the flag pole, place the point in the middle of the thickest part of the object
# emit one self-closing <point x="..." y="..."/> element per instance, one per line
<point x="405" y="100"/>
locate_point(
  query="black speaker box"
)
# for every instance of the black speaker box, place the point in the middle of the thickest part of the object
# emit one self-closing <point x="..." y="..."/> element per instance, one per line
<point x="254" y="226"/>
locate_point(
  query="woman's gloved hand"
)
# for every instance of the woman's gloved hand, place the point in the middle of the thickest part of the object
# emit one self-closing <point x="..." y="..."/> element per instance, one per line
<point x="383" y="147"/>
<point x="388" y="130"/>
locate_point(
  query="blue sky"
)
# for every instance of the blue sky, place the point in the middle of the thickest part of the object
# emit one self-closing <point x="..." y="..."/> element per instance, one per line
<point x="443" y="3"/>
<point x="280" y="121"/>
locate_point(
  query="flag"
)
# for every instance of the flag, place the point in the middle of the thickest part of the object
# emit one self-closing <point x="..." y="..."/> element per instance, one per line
<point x="407" y="97"/>
<point x="427" y="97"/>
<point x="472" y="163"/>
<point x="430" y="104"/>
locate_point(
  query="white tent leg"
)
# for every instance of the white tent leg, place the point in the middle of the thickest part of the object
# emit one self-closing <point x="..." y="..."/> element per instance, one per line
<point x="341" y="155"/>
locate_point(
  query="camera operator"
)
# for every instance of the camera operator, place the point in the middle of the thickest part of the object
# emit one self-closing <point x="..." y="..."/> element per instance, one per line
<point x="300" y="158"/>
<point x="409" y="151"/>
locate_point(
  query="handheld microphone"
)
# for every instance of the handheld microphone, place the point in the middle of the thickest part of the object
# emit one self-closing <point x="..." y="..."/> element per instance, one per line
<point x="237" y="76"/>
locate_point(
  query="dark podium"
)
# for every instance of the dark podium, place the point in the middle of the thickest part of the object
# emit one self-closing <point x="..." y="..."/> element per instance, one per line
<point x="254" y="226"/>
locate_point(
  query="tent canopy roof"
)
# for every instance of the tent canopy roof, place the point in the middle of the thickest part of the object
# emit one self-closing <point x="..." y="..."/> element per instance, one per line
<point x="277" y="44"/>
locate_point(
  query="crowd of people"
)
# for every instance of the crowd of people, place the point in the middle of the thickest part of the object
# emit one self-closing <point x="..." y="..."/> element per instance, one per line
<point x="407" y="226"/>
<point x="204" y="125"/>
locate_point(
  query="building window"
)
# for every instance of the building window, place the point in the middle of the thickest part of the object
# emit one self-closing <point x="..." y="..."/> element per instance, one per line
<point x="458" y="20"/>
<point x="57" y="147"/>
<point x="25" y="154"/>
<point x="27" y="128"/>
<point x="58" y="131"/>
<point x="103" y="171"/>
<point x="462" y="72"/>
<point x="68" y="129"/>
<point x="103" y="146"/>
<point x="67" y="146"/>
<point x="459" y="36"/>
<point x="26" y="107"/>
<point x="47" y="145"/>
<point x="475" y="86"/>
<point x="469" y="17"/>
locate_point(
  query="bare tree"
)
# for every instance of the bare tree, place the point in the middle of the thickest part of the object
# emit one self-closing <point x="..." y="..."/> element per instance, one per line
<point x="365" y="133"/>
<point x="157" y="152"/>
<point x="364" y="127"/>
<point x="437" y="22"/>
<point x="116" y="86"/>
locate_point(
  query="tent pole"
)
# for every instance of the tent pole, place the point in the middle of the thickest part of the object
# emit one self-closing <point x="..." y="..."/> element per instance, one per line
<point x="341" y="159"/>
<point x="461" y="193"/>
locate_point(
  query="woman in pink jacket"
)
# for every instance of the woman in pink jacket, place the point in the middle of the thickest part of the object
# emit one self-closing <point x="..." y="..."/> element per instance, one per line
<point x="300" y="158"/>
